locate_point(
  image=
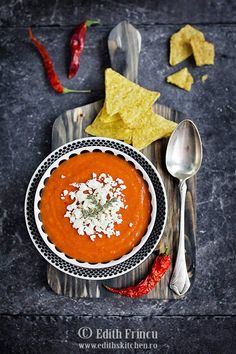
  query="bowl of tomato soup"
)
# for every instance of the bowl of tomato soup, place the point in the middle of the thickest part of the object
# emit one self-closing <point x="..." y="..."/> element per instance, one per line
<point x="95" y="207"/>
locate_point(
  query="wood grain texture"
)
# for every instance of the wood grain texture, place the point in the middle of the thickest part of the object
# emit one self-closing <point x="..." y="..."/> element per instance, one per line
<point x="124" y="44"/>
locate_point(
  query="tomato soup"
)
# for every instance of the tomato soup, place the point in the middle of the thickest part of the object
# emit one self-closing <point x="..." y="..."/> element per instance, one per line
<point x="134" y="212"/>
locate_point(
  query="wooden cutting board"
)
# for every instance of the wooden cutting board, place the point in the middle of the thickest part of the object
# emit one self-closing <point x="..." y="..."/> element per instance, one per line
<point x="124" y="45"/>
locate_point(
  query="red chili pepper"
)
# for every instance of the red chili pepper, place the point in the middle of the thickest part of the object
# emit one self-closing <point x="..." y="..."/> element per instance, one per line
<point x="77" y="46"/>
<point x="49" y="67"/>
<point x="159" y="268"/>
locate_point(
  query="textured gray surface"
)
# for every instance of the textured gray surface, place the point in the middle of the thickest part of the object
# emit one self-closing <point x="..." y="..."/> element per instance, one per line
<point x="27" y="111"/>
<point x="61" y="12"/>
<point x="59" y="334"/>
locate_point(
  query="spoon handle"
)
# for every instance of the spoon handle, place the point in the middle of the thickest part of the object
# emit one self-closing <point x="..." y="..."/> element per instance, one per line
<point x="179" y="282"/>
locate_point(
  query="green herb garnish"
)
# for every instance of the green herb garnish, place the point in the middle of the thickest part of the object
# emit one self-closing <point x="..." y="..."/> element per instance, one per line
<point x="97" y="207"/>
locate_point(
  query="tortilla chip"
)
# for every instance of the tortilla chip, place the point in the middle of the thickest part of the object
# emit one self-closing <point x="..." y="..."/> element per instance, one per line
<point x="203" y="51"/>
<point x="182" y="79"/>
<point x="130" y="117"/>
<point x="133" y="120"/>
<point x="128" y="140"/>
<point x="126" y="97"/>
<point x="114" y="129"/>
<point x="180" y="47"/>
<point x="106" y="118"/>
<point x="156" y="128"/>
<point x="204" y="77"/>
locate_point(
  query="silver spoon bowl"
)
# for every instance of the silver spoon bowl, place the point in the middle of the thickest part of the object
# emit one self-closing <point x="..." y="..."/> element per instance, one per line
<point x="183" y="160"/>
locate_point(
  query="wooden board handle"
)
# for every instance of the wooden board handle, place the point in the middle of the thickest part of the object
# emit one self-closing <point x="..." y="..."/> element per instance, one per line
<point x="124" y="45"/>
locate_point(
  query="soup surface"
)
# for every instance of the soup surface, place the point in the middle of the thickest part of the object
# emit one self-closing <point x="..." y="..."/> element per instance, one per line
<point x="72" y="214"/>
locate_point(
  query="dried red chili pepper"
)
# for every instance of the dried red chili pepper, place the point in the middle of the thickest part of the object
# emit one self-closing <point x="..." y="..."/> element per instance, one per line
<point x="49" y="67"/>
<point x="77" y="46"/>
<point x="159" y="268"/>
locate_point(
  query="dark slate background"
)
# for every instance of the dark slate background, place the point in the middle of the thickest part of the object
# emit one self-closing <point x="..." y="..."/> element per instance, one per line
<point x="32" y="318"/>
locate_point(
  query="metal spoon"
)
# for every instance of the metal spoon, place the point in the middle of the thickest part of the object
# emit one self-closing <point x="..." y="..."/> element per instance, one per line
<point x="183" y="160"/>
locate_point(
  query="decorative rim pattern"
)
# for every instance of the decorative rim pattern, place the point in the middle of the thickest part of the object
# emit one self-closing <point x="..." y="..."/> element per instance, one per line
<point x="66" y="157"/>
<point x="127" y="265"/>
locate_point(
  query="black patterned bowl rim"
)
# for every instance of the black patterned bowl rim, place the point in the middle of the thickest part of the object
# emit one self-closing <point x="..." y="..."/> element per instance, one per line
<point x="52" y="167"/>
<point x="130" y="263"/>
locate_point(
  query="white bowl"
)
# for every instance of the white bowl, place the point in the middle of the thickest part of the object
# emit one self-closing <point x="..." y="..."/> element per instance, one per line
<point x="55" y="165"/>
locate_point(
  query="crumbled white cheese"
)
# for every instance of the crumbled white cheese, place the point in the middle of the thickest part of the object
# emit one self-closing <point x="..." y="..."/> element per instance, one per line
<point x="95" y="206"/>
<point x="75" y="185"/>
<point x="130" y="224"/>
<point x="62" y="176"/>
<point x="102" y="176"/>
<point x="71" y="207"/>
<point x="120" y="181"/>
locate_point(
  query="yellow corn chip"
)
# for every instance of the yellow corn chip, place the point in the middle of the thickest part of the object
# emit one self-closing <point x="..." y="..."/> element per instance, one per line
<point x="114" y="129"/>
<point x="156" y="128"/>
<point x="203" y="51"/>
<point x="128" y="140"/>
<point x="182" y="79"/>
<point x="131" y="119"/>
<point x="180" y="48"/>
<point x="106" y="118"/>
<point x="127" y="114"/>
<point x="204" y="77"/>
<point x="126" y="97"/>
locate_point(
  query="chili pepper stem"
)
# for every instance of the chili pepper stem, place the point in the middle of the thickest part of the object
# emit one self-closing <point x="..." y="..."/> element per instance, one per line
<point x="166" y="251"/>
<point x="88" y="23"/>
<point x="66" y="90"/>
